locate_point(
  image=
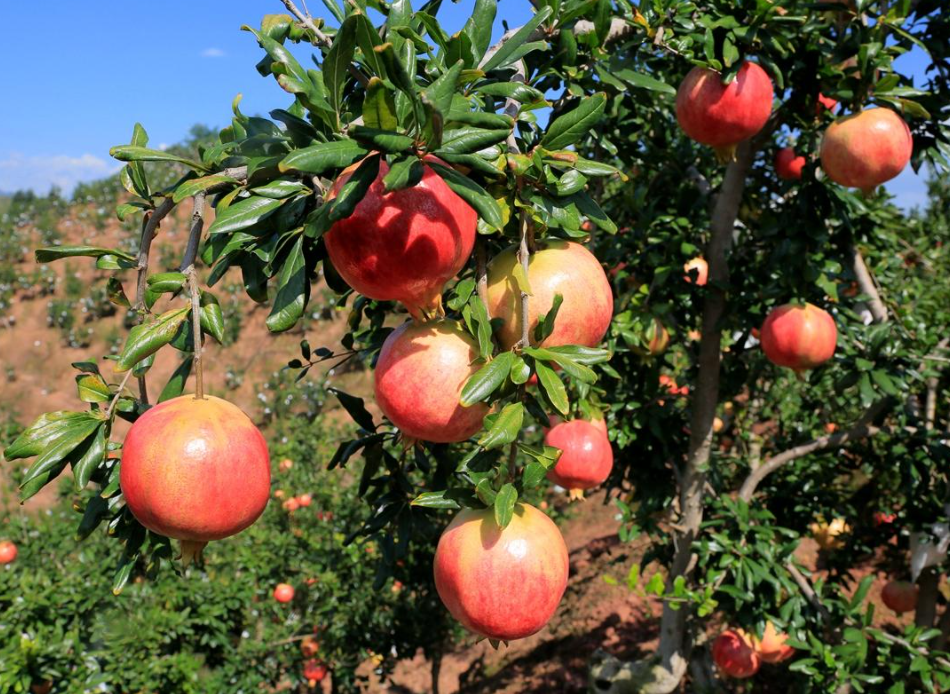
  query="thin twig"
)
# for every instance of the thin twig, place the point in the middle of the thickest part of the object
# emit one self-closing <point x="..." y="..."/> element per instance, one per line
<point x="481" y="274"/>
<point x="306" y="20"/>
<point x="118" y="393"/>
<point x="867" y="286"/>
<point x="195" y="292"/>
<point x="524" y="257"/>
<point x="152" y="221"/>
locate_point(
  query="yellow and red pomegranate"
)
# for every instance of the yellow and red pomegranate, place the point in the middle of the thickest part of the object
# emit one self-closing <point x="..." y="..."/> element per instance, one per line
<point x="866" y="149"/>
<point x="195" y="470"/>
<point x="772" y="647"/>
<point x="504" y="584"/>
<point x="789" y="165"/>
<point x="660" y="339"/>
<point x="586" y="455"/>
<point x="404" y="245"/>
<point x="314" y="671"/>
<point x="799" y="337"/>
<point x="8" y="552"/>
<point x="900" y="596"/>
<point x="696" y="271"/>
<point x="734" y="654"/>
<point x="419" y="376"/>
<point x="720" y="115"/>
<point x="558" y="267"/>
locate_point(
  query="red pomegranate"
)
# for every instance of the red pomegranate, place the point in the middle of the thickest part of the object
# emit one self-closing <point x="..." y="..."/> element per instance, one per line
<point x="558" y="267"/>
<point x="702" y="271"/>
<point x="501" y="583"/>
<point x="8" y="552"/>
<point x="825" y="103"/>
<point x="309" y="647"/>
<point x="799" y="337"/>
<point x="734" y="654"/>
<point x="284" y="592"/>
<point x="866" y="149"/>
<point x="304" y="500"/>
<point x="586" y="456"/>
<point x="314" y="671"/>
<point x="405" y="245"/>
<point x="789" y="165"/>
<point x="720" y="115"/>
<point x="771" y="647"/>
<point x="900" y="596"/>
<point x="419" y="378"/>
<point x="884" y="518"/>
<point x="195" y="470"/>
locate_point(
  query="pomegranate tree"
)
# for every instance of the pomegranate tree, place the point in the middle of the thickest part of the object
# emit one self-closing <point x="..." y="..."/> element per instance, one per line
<point x="866" y="149"/>
<point x="403" y="245"/>
<point x="800" y="337"/>
<point x="501" y="583"/>
<point x="586" y="455"/>
<point x="195" y="470"/>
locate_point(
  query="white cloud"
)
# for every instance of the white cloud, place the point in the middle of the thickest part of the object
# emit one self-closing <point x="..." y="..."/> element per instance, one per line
<point x="40" y="173"/>
<point x="213" y="53"/>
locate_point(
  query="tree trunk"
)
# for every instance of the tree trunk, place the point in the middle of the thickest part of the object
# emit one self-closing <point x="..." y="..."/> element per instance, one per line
<point x="927" y="598"/>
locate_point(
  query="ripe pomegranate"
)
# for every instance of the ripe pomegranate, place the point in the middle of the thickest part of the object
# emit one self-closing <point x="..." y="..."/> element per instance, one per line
<point x="286" y="464"/>
<point x="720" y="115"/>
<point x="304" y="500"/>
<point x="771" y="647"/>
<point x="701" y="267"/>
<point x="419" y="377"/>
<point x="824" y="103"/>
<point x="734" y="654"/>
<point x="309" y="647"/>
<point x="501" y="583"/>
<point x="900" y="596"/>
<point x="660" y="340"/>
<point x="866" y="149"/>
<point x="8" y="552"/>
<point x="884" y="518"/>
<point x="789" y="165"/>
<point x="291" y="505"/>
<point x="586" y="455"/>
<point x="284" y="592"/>
<point x="558" y="267"/>
<point x="195" y="470"/>
<point x="314" y="671"/>
<point x="799" y="337"/>
<point x="405" y="245"/>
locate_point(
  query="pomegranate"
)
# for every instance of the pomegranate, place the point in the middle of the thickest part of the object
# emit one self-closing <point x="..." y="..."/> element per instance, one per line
<point x="304" y="500"/>
<point x="405" y="245"/>
<point x="314" y="671"/>
<point x="884" y="518"/>
<point x="771" y="647"/>
<point x="900" y="596"/>
<point x="799" y="337"/>
<point x="8" y="552"/>
<point x="501" y="583"/>
<point x="586" y="456"/>
<point x="720" y="115"/>
<point x="291" y="505"/>
<point x="558" y="267"/>
<point x="309" y="647"/>
<point x="286" y="464"/>
<point x="195" y="470"/>
<point x="866" y="149"/>
<point x="734" y="654"/>
<point x="825" y="103"/>
<point x="701" y="267"/>
<point x="419" y="378"/>
<point x="660" y="339"/>
<point x="789" y="165"/>
<point x="284" y="592"/>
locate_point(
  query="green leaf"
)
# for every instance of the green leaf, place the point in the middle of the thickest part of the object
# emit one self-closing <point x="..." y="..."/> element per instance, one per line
<point x="146" y="339"/>
<point x="48" y="255"/>
<point x="553" y="387"/>
<point x="135" y="153"/>
<point x="91" y="454"/>
<point x="512" y="90"/>
<point x="211" y="316"/>
<point x="467" y="139"/>
<point x="117" y="293"/>
<point x="569" y="128"/>
<point x="321" y="158"/>
<point x="439" y="94"/>
<point x="292" y="291"/>
<point x="356" y="408"/>
<point x="504" y="505"/>
<point x="280" y="188"/>
<point x="244" y="214"/>
<point x="533" y="473"/>
<point x="396" y="69"/>
<point x="92" y="388"/>
<point x="484" y="491"/>
<point x="176" y="384"/>
<point x="595" y="168"/>
<point x="194" y="186"/>
<point x="382" y="140"/>
<point x="478" y="28"/>
<point x="435" y="500"/>
<point x="505" y="428"/>
<point x="472" y="193"/>
<point x="69" y="436"/>
<point x="379" y="107"/>
<point x="44" y="431"/>
<point x="405" y="172"/>
<point x="487" y="379"/>
<point x="519" y="38"/>
<point x="337" y="63"/>
<point x="354" y="190"/>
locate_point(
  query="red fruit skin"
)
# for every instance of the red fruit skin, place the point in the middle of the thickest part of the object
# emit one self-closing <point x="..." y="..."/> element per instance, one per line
<point x="825" y="103"/>
<point x="195" y="470"/>
<point x="284" y="592"/>
<point x="586" y="455"/>
<point x="866" y="149"/>
<point x="405" y="245"/>
<point x="419" y="377"/>
<point x="314" y="671"/>
<point x="799" y="337"/>
<point x="734" y="654"/>
<point x="8" y="552"/>
<point x="558" y="267"/>
<point x="900" y="596"/>
<point x="722" y="115"/>
<point x="788" y="165"/>
<point x="884" y="518"/>
<point x="502" y="584"/>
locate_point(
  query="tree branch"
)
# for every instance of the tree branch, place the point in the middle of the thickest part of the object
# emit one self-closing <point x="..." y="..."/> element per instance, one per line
<point x="195" y="292"/>
<point x="152" y="222"/>
<point x="867" y="285"/>
<point x="307" y="21"/>
<point x="194" y="238"/>
<point x="861" y="429"/>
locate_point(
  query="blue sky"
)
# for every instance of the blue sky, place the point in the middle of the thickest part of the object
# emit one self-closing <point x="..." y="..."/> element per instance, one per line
<point x="77" y="81"/>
